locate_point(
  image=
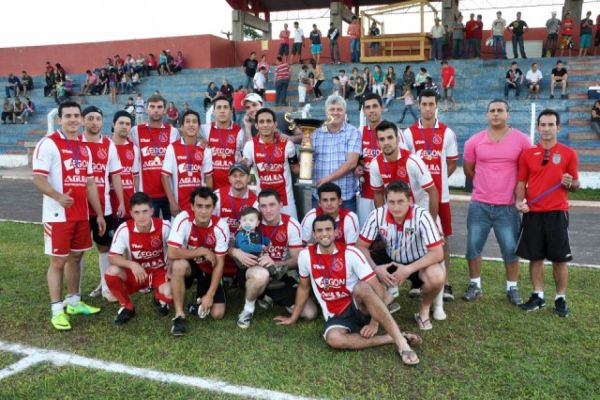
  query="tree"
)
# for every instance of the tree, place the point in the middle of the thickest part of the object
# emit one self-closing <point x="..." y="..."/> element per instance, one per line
<point x="251" y="34"/>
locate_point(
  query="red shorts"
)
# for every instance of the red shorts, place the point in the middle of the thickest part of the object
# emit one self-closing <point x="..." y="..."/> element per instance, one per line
<point x="61" y="238"/>
<point x="446" y="218"/>
<point x="156" y="277"/>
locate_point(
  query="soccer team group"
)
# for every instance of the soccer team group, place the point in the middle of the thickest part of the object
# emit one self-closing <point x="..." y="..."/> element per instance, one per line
<point x="164" y="207"/>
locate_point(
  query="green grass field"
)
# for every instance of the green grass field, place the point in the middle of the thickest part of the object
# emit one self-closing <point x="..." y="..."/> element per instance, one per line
<point x="487" y="349"/>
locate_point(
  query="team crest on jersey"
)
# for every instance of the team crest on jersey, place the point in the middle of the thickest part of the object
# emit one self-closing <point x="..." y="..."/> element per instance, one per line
<point x="163" y="137"/>
<point x="277" y="152"/>
<point x="280" y="237"/>
<point x="230" y="139"/>
<point x="383" y="232"/>
<point x="102" y="155"/>
<point x="402" y="172"/>
<point x="338" y="265"/>
<point x="129" y="155"/>
<point x="556" y="158"/>
<point x="156" y="242"/>
<point x="83" y="151"/>
<point x="210" y="240"/>
<point x="437" y="139"/>
<point x="198" y="156"/>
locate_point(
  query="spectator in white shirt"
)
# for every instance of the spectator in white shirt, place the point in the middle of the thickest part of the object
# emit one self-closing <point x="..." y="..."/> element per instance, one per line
<point x="534" y="79"/>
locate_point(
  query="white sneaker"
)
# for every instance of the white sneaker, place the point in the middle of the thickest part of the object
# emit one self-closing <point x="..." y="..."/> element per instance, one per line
<point x="244" y="319"/>
<point x="438" y="313"/>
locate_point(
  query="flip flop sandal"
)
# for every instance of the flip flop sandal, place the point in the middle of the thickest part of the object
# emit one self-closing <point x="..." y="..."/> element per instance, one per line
<point x="393" y="307"/>
<point x="412" y="339"/>
<point x="424" y="325"/>
<point x="407" y="356"/>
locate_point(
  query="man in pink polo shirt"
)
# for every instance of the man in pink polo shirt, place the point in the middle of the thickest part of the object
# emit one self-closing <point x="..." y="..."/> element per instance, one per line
<point x="491" y="160"/>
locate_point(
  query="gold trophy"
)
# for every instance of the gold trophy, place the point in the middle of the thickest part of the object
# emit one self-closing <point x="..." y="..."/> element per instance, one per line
<point x="307" y="126"/>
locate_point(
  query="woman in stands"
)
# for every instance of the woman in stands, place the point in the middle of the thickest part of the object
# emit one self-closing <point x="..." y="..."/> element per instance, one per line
<point x="172" y="114"/>
<point x="211" y="93"/>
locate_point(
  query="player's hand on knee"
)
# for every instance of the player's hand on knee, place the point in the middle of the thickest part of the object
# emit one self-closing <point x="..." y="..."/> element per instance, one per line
<point x="139" y="272"/>
<point x="248" y="260"/>
<point x="384" y="276"/>
<point x="369" y="330"/>
<point x="266" y="261"/>
<point x="206" y="302"/>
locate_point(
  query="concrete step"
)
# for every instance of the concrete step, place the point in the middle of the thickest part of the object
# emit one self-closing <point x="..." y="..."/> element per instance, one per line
<point x="579" y="122"/>
<point x="581" y="108"/>
<point x="583" y="136"/>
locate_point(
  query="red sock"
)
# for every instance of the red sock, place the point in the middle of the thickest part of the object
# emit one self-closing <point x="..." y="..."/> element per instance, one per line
<point x="119" y="290"/>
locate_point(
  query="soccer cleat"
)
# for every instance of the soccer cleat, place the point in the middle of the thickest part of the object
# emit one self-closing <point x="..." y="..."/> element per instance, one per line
<point x="61" y="322"/>
<point x="178" y="328"/>
<point x="161" y="308"/>
<point x="448" y="294"/>
<point x="196" y="309"/>
<point x="265" y="302"/>
<point x="82" y="309"/>
<point x="535" y="302"/>
<point x="560" y="307"/>
<point x="473" y="292"/>
<point x="513" y="296"/>
<point x="414" y="292"/>
<point x="124" y="315"/>
<point x="244" y="319"/>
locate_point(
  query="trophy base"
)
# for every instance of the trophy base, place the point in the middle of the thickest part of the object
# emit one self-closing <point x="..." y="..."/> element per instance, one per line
<point x="304" y="182"/>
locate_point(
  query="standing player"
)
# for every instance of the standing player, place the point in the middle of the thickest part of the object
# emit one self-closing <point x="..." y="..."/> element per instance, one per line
<point x="547" y="172"/>
<point x="62" y="171"/>
<point x="144" y="239"/>
<point x="225" y="139"/>
<point x="330" y="203"/>
<point x="437" y="147"/>
<point x="187" y="165"/>
<point x="197" y="247"/>
<point x="283" y="232"/>
<point x="349" y="296"/>
<point x="413" y="246"/>
<point x="152" y="139"/>
<point x="105" y="164"/>
<point x="129" y="155"/>
<point x="275" y="160"/>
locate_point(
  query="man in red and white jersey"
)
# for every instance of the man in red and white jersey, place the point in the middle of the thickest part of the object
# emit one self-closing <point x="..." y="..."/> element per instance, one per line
<point x="395" y="163"/>
<point x="349" y="294"/>
<point x="330" y="203"/>
<point x="283" y="233"/>
<point x="144" y="239"/>
<point x="62" y="171"/>
<point x="413" y="247"/>
<point x="129" y="155"/>
<point x="225" y="139"/>
<point x="187" y="165"/>
<point x="106" y="166"/>
<point x="436" y="145"/>
<point x="231" y="200"/>
<point x="197" y="247"/>
<point x="274" y="159"/>
<point x="152" y="139"/>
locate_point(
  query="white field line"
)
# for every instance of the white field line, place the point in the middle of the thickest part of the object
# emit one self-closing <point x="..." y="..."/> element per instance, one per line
<point x="570" y="264"/>
<point x="37" y="355"/>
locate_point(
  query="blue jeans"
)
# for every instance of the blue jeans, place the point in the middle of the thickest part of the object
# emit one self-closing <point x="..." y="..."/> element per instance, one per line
<point x="517" y="40"/>
<point x="281" y="87"/>
<point x="355" y="50"/>
<point x="473" y="47"/>
<point x="505" y="221"/>
<point x="161" y="204"/>
<point x="249" y="82"/>
<point x="349" y="204"/>
<point x="436" y="49"/>
<point x="8" y="89"/>
<point x="499" y="40"/>
<point x="457" y="48"/>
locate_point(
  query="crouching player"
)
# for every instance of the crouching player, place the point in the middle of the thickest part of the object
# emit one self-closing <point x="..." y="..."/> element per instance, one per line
<point x="144" y="239"/>
<point x="349" y="294"/>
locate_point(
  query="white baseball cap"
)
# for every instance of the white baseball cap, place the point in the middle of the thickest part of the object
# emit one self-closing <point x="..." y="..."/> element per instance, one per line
<point x="253" y="97"/>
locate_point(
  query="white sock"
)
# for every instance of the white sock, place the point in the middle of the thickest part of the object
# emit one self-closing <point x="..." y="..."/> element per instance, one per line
<point x="81" y="268"/>
<point x="510" y="284"/>
<point x="57" y="308"/>
<point x="540" y="294"/>
<point x="558" y="296"/>
<point x="73" y="299"/>
<point x="250" y="305"/>
<point x="103" y="264"/>
<point x="477" y="281"/>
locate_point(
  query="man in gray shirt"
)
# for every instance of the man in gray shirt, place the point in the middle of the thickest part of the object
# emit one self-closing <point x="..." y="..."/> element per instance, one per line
<point x="498" y="27"/>
<point x="552" y="25"/>
<point x="458" y="34"/>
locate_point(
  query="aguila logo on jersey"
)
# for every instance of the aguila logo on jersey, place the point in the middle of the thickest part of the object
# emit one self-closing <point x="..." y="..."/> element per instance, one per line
<point x="102" y="154"/>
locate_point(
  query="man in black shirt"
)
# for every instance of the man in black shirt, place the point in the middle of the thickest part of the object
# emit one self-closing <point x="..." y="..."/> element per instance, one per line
<point x="249" y="68"/>
<point x="514" y="79"/>
<point x="518" y="28"/>
<point x="559" y="77"/>
<point x="315" y="43"/>
<point x="334" y="49"/>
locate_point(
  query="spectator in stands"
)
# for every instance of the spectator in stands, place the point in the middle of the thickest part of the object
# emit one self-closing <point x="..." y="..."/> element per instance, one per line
<point x="319" y="79"/>
<point x="597" y="37"/>
<point x="518" y="28"/>
<point x="211" y="93"/>
<point x="585" y="41"/>
<point x="12" y="85"/>
<point x="282" y="81"/>
<point x="60" y="72"/>
<point x="474" y="33"/>
<point x="68" y="86"/>
<point x="391" y="73"/>
<point x="49" y="67"/>
<point x="238" y="103"/>
<point x="514" y="80"/>
<point x="354" y="33"/>
<point x="421" y="80"/>
<point x="458" y="37"/>
<point x="377" y="81"/>
<point x="30" y="105"/>
<point x="151" y="63"/>
<point x="359" y="92"/>
<point x="409" y="101"/>
<point x="498" y="28"/>
<point x="260" y="81"/>
<point x="566" y="38"/>
<point x="7" y="111"/>
<point x="27" y="111"/>
<point x="119" y="64"/>
<point x="126" y="86"/>
<point x="172" y="114"/>
<point x="345" y="81"/>
<point x="437" y="40"/>
<point x="17" y="110"/>
<point x="284" y="43"/>
<point x="448" y="82"/>
<point x="334" y="48"/>
<point x="135" y="80"/>
<point x="368" y="77"/>
<point x="113" y="84"/>
<point x="298" y="42"/>
<point x="163" y="64"/>
<point x="264" y="63"/>
<point x="179" y="62"/>
<point x="408" y="77"/>
<point x="26" y="83"/>
<point x="130" y="64"/>
<point x="315" y="43"/>
<point x="249" y="67"/>
<point x="60" y="93"/>
<point x="50" y="82"/>
<point x="103" y="82"/>
<point x="431" y="85"/>
<point x="303" y="82"/>
<point x="184" y="110"/>
<point x="373" y="32"/>
<point x="89" y="86"/>
<point x="142" y="65"/>
<point x="534" y="79"/>
<point x="130" y="108"/>
<point x="552" y="27"/>
<point x="595" y="120"/>
<point x="390" y="93"/>
<point x="336" y="86"/>
<point x="446" y="43"/>
<point x="227" y="90"/>
<point x="559" y="77"/>
<point x="140" y="109"/>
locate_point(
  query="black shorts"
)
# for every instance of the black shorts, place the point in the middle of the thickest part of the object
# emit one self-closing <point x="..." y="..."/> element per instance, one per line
<point x="284" y="49"/>
<point x="381" y="257"/>
<point x="106" y="239"/>
<point x="286" y="296"/>
<point x="203" y="283"/>
<point x="297" y="49"/>
<point x="351" y="320"/>
<point x="545" y="235"/>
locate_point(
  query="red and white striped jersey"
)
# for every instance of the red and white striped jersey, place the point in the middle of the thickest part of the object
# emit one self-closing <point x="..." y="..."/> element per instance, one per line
<point x="346" y="225"/>
<point x="146" y="248"/>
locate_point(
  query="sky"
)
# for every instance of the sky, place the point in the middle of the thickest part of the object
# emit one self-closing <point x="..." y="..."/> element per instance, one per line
<point x="68" y="21"/>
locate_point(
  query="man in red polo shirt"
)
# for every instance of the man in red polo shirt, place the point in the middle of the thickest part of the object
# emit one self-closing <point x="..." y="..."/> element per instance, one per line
<point x="448" y="81"/>
<point x="547" y="172"/>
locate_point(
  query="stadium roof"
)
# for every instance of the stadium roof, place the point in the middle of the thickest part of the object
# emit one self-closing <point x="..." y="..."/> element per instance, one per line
<point x="289" y="5"/>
